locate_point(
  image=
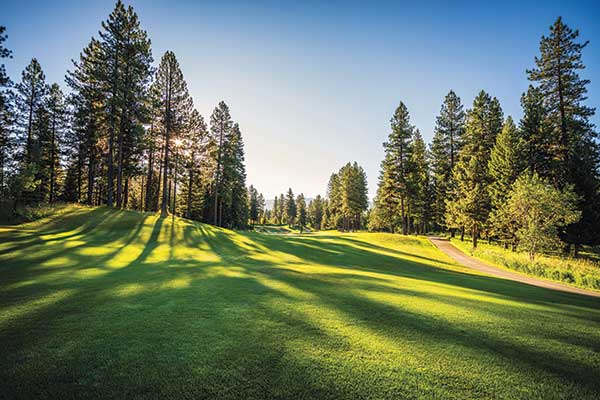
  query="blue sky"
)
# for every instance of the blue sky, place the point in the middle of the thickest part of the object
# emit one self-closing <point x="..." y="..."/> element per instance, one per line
<point x="313" y="84"/>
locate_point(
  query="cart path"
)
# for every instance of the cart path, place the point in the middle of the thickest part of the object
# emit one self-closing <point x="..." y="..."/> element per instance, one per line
<point x="445" y="246"/>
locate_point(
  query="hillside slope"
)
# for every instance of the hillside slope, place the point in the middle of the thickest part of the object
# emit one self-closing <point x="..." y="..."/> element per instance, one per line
<point x="118" y="304"/>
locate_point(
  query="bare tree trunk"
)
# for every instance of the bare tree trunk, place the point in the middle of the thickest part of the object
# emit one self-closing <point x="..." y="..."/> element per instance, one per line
<point x="218" y="177"/>
<point x="29" y="148"/>
<point x="163" y="207"/>
<point x="126" y="193"/>
<point x="188" y="212"/>
<point x="113" y="128"/>
<point x="142" y="193"/>
<point x="160" y="174"/>
<point x="52" y="157"/>
<point x="79" y="173"/>
<point x="90" y="188"/>
<point x="149" y="180"/>
<point x="120" y="170"/>
<point x="403" y="215"/>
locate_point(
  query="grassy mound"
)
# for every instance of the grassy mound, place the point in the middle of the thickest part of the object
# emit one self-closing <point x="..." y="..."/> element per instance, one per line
<point x="119" y="304"/>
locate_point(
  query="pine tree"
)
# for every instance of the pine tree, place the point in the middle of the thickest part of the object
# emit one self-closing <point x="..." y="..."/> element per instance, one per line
<point x="334" y="196"/>
<point x="220" y="126"/>
<point x="281" y="214"/>
<point x="125" y="60"/>
<point x="4" y="53"/>
<point x="573" y="142"/>
<point x="316" y="212"/>
<point x="196" y="140"/>
<point x="563" y="92"/>
<point x="534" y="133"/>
<point x="290" y="207"/>
<point x="275" y="211"/>
<point x="57" y="113"/>
<point x="262" y="211"/>
<point x="233" y="204"/>
<point x="419" y="199"/>
<point x="30" y="97"/>
<point x="506" y="162"/>
<point x="301" y="211"/>
<point x="6" y="117"/>
<point x="88" y="117"/>
<point x="31" y="92"/>
<point x="470" y="204"/>
<point x="353" y="194"/>
<point x="153" y="148"/>
<point x="254" y="206"/>
<point x="176" y="105"/>
<point x="444" y="150"/>
<point x="391" y="203"/>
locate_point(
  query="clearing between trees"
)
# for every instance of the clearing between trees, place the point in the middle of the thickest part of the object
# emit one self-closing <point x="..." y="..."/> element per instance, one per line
<point x="100" y="303"/>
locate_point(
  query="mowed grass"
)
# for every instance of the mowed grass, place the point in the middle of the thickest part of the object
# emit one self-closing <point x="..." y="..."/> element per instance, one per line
<point x="118" y="304"/>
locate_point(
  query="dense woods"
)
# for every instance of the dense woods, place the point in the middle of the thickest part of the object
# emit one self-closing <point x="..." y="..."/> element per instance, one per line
<point x="535" y="181"/>
<point x="125" y="134"/>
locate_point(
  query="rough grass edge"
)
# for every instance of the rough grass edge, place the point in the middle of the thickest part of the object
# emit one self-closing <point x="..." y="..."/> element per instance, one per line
<point x="576" y="272"/>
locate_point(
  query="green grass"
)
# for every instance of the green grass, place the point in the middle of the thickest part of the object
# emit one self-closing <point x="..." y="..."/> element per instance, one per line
<point x="279" y="229"/>
<point x="105" y="304"/>
<point x="583" y="272"/>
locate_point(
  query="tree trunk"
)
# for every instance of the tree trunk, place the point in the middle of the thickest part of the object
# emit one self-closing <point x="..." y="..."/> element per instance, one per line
<point x="79" y="173"/>
<point x="126" y="193"/>
<point x="113" y="128"/>
<point x="163" y="207"/>
<point x="475" y="236"/>
<point x="120" y="171"/>
<point x="52" y="157"/>
<point x="188" y="213"/>
<point x="142" y="193"/>
<point x="218" y="177"/>
<point x="175" y="185"/>
<point x="2" y="176"/>
<point x="149" y="180"/>
<point x="462" y="234"/>
<point x="90" y="188"/>
<point x="403" y="215"/>
<point x="160" y="174"/>
<point x="220" y="213"/>
<point x="29" y="148"/>
<point x="576" y="250"/>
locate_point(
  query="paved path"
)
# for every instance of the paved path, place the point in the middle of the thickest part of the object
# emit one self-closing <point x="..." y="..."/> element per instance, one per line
<point x="468" y="261"/>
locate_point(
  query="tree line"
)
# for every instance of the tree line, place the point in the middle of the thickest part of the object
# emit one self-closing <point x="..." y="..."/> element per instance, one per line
<point x="532" y="184"/>
<point x="343" y="208"/>
<point x="126" y="135"/>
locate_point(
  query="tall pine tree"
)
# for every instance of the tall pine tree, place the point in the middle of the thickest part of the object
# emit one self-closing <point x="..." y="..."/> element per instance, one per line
<point x="469" y="205"/>
<point x="444" y="150"/>
<point x="391" y="202"/>
<point x="573" y="143"/>
<point x="175" y="108"/>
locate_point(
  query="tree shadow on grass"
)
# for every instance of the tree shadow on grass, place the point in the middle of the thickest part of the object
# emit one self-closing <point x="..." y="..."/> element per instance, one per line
<point x="350" y="257"/>
<point x="230" y="325"/>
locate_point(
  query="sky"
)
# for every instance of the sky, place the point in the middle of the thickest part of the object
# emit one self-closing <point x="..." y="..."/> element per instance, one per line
<point x="313" y="84"/>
